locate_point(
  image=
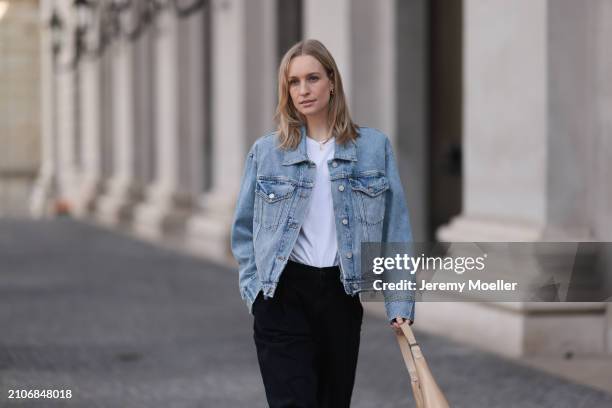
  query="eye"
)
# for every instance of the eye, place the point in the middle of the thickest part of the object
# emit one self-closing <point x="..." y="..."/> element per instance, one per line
<point x="313" y="78"/>
<point x="293" y="82"/>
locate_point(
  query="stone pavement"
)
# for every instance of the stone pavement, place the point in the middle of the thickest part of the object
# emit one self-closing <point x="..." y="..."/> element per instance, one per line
<point x="122" y="323"/>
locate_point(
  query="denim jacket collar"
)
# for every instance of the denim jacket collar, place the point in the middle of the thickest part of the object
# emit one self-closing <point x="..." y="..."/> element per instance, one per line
<point x="346" y="151"/>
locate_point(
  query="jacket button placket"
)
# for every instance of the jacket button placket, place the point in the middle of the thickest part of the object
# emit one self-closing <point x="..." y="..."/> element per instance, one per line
<point x="344" y="221"/>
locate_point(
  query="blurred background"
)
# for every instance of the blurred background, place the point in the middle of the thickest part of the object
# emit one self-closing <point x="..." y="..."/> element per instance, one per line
<point x="136" y="116"/>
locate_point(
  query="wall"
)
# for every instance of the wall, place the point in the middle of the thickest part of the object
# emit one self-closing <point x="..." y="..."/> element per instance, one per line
<point x="19" y="106"/>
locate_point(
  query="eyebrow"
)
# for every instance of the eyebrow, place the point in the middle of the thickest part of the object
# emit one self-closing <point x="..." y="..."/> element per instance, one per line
<point x="310" y="73"/>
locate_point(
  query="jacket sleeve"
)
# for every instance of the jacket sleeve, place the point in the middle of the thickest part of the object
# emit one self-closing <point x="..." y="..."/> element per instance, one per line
<point x="242" y="224"/>
<point x="396" y="229"/>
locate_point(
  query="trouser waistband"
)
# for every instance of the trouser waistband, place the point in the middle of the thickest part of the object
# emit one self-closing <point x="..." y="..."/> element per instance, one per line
<point x="301" y="271"/>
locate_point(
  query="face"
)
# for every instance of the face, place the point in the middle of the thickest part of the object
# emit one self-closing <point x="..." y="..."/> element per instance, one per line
<point x="309" y="86"/>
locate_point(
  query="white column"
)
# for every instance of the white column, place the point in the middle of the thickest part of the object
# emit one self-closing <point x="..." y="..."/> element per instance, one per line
<point x="330" y="22"/>
<point x="67" y="120"/>
<point x="44" y="191"/>
<point x="90" y="184"/>
<point x="106" y="115"/>
<point x="229" y="103"/>
<point x="360" y="34"/>
<point x="408" y="103"/>
<point x="373" y="63"/>
<point x="144" y="110"/>
<point x="243" y="101"/>
<point x="123" y="192"/>
<point x="526" y="117"/>
<point x="170" y="199"/>
<point x="505" y="120"/>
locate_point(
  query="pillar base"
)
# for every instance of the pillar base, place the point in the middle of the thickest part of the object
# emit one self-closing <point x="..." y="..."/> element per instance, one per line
<point x="209" y="235"/>
<point x="43" y="195"/>
<point x="209" y="231"/>
<point x="70" y="192"/>
<point x="90" y="189"/>
<point x="117" y="206"/>
<point x="520" y="329"/>
<point x="473" y="229"/>
<point x="164" y="214"/>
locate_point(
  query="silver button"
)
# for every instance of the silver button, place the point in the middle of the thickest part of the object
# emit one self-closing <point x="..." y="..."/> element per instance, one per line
<point x="334" y="164"/>
<point x="355" y="286"/>
<point x="271" y="195"/>
<point x="341" y="187"/>
<point x="349" y="255"/>
<point x="344" y="221"/>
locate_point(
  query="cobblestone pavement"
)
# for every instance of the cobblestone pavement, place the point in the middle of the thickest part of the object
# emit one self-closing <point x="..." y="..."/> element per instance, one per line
<point x="122" y="323"/>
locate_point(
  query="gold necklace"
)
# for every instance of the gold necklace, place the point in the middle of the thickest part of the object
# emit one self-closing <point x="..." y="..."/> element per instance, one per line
<point x="323" y="142"/>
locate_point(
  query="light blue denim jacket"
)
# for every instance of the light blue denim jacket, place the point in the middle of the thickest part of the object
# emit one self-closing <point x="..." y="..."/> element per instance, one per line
<point x="368" y="201"/>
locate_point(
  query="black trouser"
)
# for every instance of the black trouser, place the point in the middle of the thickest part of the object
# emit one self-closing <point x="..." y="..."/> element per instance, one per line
<point x="307" y="339"/>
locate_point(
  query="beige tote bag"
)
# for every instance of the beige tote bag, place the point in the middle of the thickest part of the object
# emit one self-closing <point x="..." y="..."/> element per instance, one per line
<point x="426" y="392"/>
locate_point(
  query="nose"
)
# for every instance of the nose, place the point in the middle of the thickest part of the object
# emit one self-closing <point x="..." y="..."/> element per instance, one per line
<point x="304" y="88"/>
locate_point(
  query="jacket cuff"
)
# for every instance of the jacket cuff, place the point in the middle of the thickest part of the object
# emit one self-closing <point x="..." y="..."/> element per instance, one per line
<point x="400" y="308"/>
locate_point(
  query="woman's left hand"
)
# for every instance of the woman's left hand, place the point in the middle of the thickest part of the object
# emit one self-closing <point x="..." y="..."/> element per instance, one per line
<point x="399" y="321"/>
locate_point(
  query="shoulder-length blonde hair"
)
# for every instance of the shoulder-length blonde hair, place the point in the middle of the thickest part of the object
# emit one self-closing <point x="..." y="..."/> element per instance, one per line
<point x="289" y="119"/>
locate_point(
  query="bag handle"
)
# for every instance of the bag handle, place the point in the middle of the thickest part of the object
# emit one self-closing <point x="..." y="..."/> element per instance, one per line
<point x="426" y="391"/>
<point x="406" y="346"/>
<point x="415" y="349"/>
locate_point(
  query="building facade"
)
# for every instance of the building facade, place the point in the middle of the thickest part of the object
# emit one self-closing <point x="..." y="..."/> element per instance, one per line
<point x="19" y="104"/>
<point x="499" y="113"/>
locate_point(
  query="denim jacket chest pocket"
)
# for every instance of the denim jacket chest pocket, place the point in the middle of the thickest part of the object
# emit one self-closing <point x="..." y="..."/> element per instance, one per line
<point x="369" y="195"/>
<point x="273" y="195"/>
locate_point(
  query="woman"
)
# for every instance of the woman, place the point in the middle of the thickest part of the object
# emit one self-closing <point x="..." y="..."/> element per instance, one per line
<point x="311" y="192"/>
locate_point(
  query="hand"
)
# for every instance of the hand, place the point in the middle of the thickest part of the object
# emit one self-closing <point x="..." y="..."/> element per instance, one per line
<point x="397" y="322"/>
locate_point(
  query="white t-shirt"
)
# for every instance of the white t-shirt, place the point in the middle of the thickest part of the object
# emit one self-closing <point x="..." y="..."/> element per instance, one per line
<point x="316" y="243"/>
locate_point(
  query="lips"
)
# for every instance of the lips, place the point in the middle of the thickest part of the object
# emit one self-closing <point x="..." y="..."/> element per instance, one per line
<point x="307" y="102"/>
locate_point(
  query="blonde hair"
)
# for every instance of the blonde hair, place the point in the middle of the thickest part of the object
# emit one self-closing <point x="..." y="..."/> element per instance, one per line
<point x="289" y="119"/>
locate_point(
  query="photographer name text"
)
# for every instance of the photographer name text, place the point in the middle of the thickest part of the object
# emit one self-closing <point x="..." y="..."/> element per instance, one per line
<point x="478" y="285"/>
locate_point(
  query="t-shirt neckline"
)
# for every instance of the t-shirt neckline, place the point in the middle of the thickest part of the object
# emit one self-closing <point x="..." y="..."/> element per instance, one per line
<point x="313" y="141"/>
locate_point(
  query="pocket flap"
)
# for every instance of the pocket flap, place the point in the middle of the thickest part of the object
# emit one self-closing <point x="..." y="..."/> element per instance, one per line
<point x="371" y="186"/>
<point x="274" y="190"/>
